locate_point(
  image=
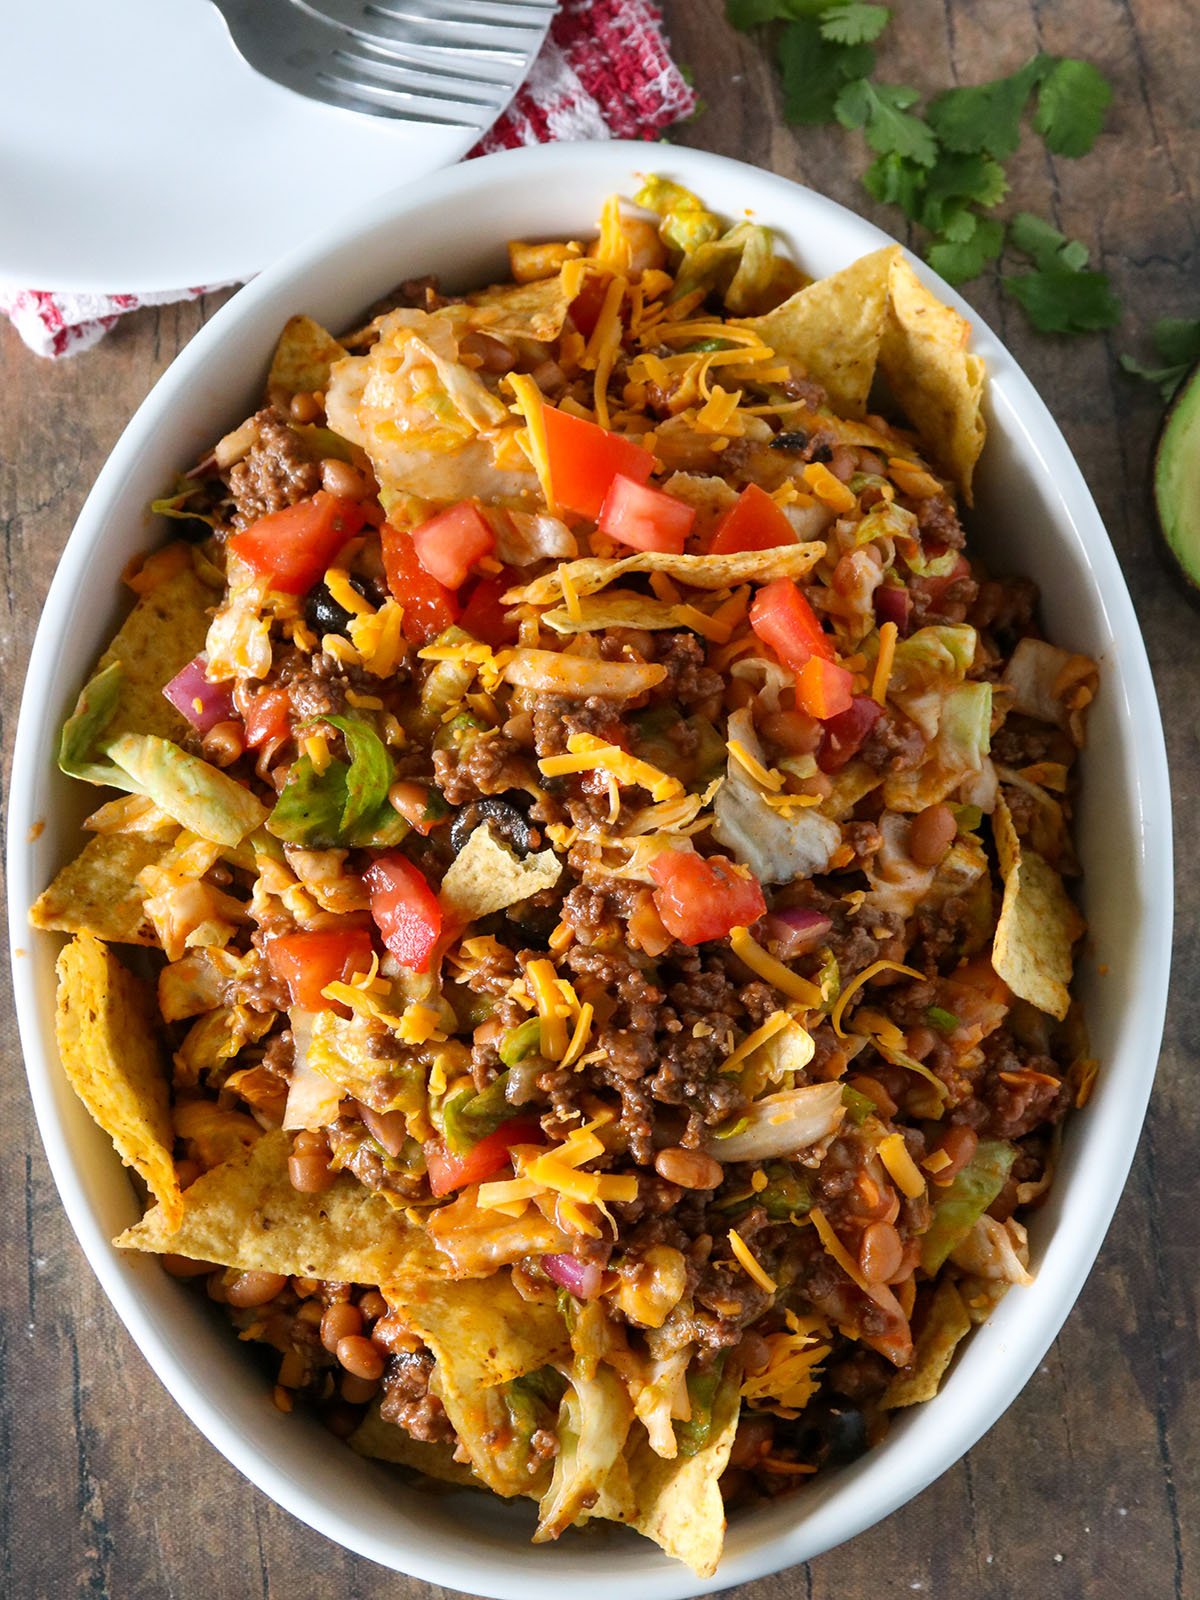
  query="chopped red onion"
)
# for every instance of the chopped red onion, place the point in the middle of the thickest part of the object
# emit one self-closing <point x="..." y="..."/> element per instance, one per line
<point x="387" y="1128"/>
<point x="204" y="704"/>
<point x="893" y="604"/>
<point x="582" y="1278"/>
<point x="846" y="733"/>
<point x="797" y="930"/>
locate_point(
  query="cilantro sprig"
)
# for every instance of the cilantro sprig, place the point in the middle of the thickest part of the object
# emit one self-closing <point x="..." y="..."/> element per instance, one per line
<point x="1177" y="341"/>
<point x="944" y="166"/>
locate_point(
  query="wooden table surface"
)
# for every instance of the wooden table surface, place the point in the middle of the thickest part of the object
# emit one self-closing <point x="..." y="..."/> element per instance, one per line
<point x="1090" y="1485"/>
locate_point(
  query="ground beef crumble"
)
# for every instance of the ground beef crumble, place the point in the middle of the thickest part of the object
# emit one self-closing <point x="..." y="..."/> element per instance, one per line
<point x="277" y="471"/>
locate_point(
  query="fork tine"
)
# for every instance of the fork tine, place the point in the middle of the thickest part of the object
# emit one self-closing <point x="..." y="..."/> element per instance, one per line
<point x="376" y="73"/>
<point x="406" y="105"/>
<point x="486" y="14"/>
<point x="456" y="63"/>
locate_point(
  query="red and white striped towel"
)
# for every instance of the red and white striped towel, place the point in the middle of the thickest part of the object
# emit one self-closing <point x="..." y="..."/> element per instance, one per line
<point x="604" y="72"/>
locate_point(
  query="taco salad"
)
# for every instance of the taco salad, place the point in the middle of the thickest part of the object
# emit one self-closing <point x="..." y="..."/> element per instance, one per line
<point x="577" y="950"/>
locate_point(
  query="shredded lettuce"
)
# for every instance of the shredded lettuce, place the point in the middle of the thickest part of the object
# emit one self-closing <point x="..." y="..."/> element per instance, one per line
<point x="198" y="796"/>
<point x="347" y="804"/>
<point x="702" y="1387"/>
<point x="966" y="1200"/>
<point x="469" y="1117"/>
<point x="80" y="754"/>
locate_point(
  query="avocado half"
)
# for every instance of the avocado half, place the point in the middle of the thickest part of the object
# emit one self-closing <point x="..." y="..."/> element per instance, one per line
<point x="1177" y="478"/>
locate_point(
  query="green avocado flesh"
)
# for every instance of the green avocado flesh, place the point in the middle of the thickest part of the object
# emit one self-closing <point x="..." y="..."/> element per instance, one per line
<point x="1177" y="478"/>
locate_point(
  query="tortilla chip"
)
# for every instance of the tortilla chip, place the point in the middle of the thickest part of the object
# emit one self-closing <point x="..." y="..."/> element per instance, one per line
<point x="679" y="1502"/>
<point x="107" y="1041"/>
<point x="620" y="608"/>
<point x="302" y="360"/>
<point x="834" y="328"/>
<point x="591" y="575"/>
<point x="946" y="1323"/>
<point x="486" y="876"/>
<point x="162" y="633"/>
<point x="1037" y="927"/>
<point x="1004" y="834"/>
<point x="527" y="310"/>
<point x="482" y="1335"/>
<point x="937" y="381"/>
<point x="385" y="1441"/>
<point x="246" y="1214"/>
<point x="97" y="893"/>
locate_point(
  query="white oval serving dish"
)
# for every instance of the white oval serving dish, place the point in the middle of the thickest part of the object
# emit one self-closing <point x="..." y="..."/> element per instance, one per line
<point x="1034" y="515"/>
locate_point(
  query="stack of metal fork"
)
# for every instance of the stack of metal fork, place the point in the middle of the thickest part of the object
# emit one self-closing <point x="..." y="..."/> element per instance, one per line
<point x="456" y="63"/>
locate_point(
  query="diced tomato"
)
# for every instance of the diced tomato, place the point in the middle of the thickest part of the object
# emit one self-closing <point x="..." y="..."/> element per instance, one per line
<point x="585" y="458"/>
<point x="783" y="619"/>
<point x="448" y="1172"/>
<point x="268" y="718"/>
<point x="429" y="607"/>
<point x="702" y="898"/>
<point x="450" y="544"/>
<point x="308" y="962"/>
<point x="293" y="547"/>
<point x="823" y="689"/>
<point x="646" y="519"/>
<point x="405" y="909"/>
<point x="483" y="616"/>
<point x="846" y="732"/>
<point x="589" y="302"/>
<point x="754" y="522"/>
<point x="935" y="588"/>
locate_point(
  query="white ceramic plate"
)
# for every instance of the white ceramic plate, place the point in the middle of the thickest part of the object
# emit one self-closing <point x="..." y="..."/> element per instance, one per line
<point x="139" y="152"/>
<point x="1034" y="515"/>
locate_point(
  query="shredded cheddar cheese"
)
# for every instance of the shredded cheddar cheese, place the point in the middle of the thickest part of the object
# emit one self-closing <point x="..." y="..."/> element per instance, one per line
<point x="570" y="593"/>
<point x="540" y="976"/>
<point x="773" y="1025"/>
<point x="579" y="1039"/>
<point x="936" y="1161"/>
<point x="316" y="748"/>
<point x="856" y="983"/>
<point x="344" y="594"/>
<point x="586" y="752"/>
<point x="883" y="667"/>
<point x="529" y="404"/>
<point x="893" y="1152"/>
<point x="772" y="971"/>
<point x="830" y="491"/>
<point x="766" y="777"/>
<point x="835" y="1248"/>
<point x="749" y="1264"/>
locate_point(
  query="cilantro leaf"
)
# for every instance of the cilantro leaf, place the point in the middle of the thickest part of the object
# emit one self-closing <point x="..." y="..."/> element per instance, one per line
<point x="851" y="22"/>
<point x="1072" y="100"/>
<point x="747" y="14"/>
<point x="881" y="110"/>
<point x="1177" y="341"/>
<point x="959" y="222"/>
<point x="1059" y="300"/>
<point x="987" y="116"/>
<point x="896" y="181"/>
<point x="1044" y="245"/>
<point x="958" y="260"/>
<point x="814" y="71"/>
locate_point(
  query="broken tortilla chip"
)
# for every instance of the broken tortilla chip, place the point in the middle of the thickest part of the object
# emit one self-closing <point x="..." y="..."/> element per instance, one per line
<point x="591" y="575"/>
<point x="946" y="1323"/>
<point x="246" y="1214"/>
<point x="302" y="360"/>
<point x="387" y="1441"/>
<point x="486" y="876"/>
<point x="527" y="310"/>
<point x="1038" y="924"/>
<point x="834" y="328"/>
<point x="163" y="632"/>
<point x="620" y="609"/>
<point x="936" y="380"/>
<point x="679" y="1502"/>
<point x="483" y="1336"/>
<point x="97" y="893"/>
<point x="106" y="1038"/>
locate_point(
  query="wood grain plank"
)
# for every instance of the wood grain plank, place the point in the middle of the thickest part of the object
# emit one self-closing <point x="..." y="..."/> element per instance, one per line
<point x="1090" y="1484"/>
